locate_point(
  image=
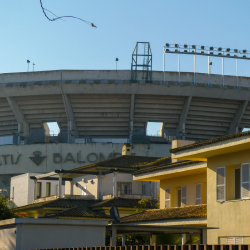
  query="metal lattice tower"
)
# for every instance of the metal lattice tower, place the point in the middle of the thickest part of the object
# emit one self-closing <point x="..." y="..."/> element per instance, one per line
<point x="142" y="60"/>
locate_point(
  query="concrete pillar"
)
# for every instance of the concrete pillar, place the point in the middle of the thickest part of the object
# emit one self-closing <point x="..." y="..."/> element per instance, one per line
<point x="123" y="239"/>
<point x="35" y="188"/>
<point x="153" y="240"/>
<point x="204" y="236"/>
<point x="114" y="185"/>
<point x="71" y="188"/>
<point x="60" y="186"/>
<point x="113" y="236"/>
<point x="183" y="239"/>
<point x="99" y="187"/>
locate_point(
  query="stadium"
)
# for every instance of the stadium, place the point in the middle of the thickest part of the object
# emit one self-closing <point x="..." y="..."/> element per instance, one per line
<point x="99" y="110"/>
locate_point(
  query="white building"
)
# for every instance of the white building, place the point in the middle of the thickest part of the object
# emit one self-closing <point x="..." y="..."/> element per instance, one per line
<point x="22" y="189"/>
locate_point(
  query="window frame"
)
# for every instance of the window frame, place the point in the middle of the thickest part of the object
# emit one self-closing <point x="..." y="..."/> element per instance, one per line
<point x="235" y="237"/>
<point x="225" y="180"/>
<point x="240" y="183"/>
<point x="169" y="197"/>
<point x="49" y="189"/>
<point x="245" y="198"/>
<point x="200" y="193"/>
<point x="40" y="193"/>
<point x="184" y="186"/>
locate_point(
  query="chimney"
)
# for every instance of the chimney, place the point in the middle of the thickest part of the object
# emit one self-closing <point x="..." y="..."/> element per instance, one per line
<point x="126" y="149"/>
<point x="179" y="143"/>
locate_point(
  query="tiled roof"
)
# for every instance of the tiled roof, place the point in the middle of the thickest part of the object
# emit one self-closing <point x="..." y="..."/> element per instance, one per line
<point x="124" y="202"/>
<point x="163" y="166"/>
<point x="197" y="211"/>
<point x="211" y="141"/>
<point x="124" y="161"/>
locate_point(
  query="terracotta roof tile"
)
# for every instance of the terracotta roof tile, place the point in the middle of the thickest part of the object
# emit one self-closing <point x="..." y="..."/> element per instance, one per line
<point x="124" y="161"/>
<point x="211" y="141"/>
<point x="124" y="202"/>
<point x="196" y="211"/>
<point x="163" y="166"/>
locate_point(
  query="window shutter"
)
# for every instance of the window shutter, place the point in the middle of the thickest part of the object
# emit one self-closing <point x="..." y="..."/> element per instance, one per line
<point x="198" y="193"/>
<point x="220" y="183"/>
<point x="230" y="241"/>
<point x="245" y="181"/>
<point x="167" y="197"/>
<point x="183" y="196"/>
<point x="238" y="240"/>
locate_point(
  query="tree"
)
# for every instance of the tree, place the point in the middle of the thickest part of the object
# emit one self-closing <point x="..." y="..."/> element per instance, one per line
<point x="7" y="209"/>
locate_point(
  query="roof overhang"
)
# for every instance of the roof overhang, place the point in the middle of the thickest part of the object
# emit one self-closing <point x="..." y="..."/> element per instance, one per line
<point x="167" y="173"/>
<point x="202" y="153"/>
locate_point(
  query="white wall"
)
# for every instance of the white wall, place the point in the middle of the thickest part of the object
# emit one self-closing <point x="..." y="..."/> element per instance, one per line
<point x="51" y="233"/>
<point x="24" y="189"/>
<point x="151" y="188"/>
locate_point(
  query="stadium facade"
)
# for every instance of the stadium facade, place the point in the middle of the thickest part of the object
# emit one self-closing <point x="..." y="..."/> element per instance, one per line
<point x="99" y="110"/>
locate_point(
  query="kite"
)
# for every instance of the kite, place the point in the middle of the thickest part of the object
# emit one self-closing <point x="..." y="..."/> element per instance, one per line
<point x="61" y="17"/>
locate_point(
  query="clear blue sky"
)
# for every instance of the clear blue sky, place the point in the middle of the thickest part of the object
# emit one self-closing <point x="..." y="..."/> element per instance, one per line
<point x="27" y="34"/>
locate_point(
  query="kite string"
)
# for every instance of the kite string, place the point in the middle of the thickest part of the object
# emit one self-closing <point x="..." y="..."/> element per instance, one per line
<point x="54" y="19"/>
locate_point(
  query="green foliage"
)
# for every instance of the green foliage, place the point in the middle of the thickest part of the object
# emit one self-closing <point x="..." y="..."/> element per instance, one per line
<point x="168" y="239"/>
<point x="192" y="240"/>
<point x="6" y="208"/>
<point x="141" y="207"/>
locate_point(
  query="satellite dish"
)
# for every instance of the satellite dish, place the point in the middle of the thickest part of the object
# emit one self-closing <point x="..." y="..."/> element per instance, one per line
<point x="114" y="214"/>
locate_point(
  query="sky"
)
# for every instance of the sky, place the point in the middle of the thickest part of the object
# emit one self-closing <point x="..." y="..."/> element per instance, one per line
<point x="26" y="34"/>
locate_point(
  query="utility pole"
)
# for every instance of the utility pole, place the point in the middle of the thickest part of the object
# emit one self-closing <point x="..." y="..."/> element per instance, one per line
<point x="28" y="62"/>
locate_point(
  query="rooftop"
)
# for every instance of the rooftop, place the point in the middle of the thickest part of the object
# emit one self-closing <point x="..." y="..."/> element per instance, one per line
<point x="196" y="211"/>
<point x="121" y="162"/>
<point x="211" y="141"/>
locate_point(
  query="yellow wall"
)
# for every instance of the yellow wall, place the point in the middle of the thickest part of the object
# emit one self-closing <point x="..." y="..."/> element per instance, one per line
<point x="177" y="182"/>
<point x="232" y="216"/>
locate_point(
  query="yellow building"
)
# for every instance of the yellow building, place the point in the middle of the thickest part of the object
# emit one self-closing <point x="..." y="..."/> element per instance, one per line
<point x="213" y="172"/>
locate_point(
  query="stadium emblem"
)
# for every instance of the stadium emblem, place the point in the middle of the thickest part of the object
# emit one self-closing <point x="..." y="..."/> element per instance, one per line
<point x="38" y="158"/>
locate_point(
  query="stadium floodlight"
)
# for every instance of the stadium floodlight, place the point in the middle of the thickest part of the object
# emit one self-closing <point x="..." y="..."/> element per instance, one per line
<point x="203" y="47"/>
<point x="193" y="47"/>
<point x="176" y="50"/>
<point x="244" y="56"/>
<point x="219" y="54"/>
<point x="227" y="49"/>
<point x="166" y="50"/>
<point x="176" y="45"/>
<point x="211" y="52"/>
<point x="185" y="46"/>
<point x="166" y="44"/>
<point x="219" y="49"/>
<point x="185" y="50"/>
<point x="235" y="55"/>
<point x="244" y="51"/>
<point x="202" y="52"/>
<point x="235" y="50"/>
<point x="211" y="48"/>
<point x="227" y="54"/>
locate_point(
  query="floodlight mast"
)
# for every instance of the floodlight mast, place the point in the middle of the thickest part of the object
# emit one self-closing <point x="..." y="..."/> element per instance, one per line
<point x="203" y="51"/>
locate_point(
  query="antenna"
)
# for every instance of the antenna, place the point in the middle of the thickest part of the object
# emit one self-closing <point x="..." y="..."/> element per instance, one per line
<point x="114" y="214"/>
<point x="116" y="62"/>
<point x="28" y="62"/>
<point x="33" y="66"/>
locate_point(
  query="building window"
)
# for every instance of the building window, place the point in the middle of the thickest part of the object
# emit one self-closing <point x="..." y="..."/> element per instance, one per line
<point x="237" y="184"/>
<point x="220" y="183"/>
<point x="13" y="193"/>
<point x="124" y="188"/>
<point x="143" y="186"/>
<point x="245" y="181"/>
<point x="38" y="190"/>
<point x="183" y="196"/>
<point x="48" y="188"/>
<point x="197" y="193"/>
<point x="167" y="198"/>
<point x="234" y="240"/>
<point x="178" y="198"/>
